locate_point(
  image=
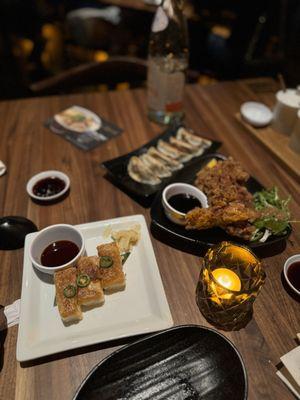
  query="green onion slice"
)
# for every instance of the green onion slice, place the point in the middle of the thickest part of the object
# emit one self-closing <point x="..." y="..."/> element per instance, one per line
<point x="70" y="291"/>
<point x="106" y="261"/>
<point x="83" y="280"/>
<point x="124" y="257"/>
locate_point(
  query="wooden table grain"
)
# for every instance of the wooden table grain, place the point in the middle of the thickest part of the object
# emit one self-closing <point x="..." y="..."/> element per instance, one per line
<point x="27" y="147"/>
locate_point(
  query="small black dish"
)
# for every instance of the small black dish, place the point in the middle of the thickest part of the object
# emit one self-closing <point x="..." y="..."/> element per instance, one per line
<point x="198" y="242"/>
<point x="144" y="194"/>
<point x="13" y="231"/>
<point x="184" y="362"/>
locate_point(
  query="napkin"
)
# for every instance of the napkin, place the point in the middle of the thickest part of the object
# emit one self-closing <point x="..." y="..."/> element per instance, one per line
<point x="290" y="372"/>
<point x="2" y="168"/>
<point x="291" y="361"/>
<point x="11" y="314"/>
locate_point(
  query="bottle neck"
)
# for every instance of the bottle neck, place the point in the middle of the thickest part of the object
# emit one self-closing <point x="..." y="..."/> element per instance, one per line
<point x="172" y="6"/>
<point x="169" y="31"/>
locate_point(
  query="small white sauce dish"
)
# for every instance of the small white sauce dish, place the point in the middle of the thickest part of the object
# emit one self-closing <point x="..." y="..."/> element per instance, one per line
<point x="48" y="174"/>
<point x="256" y="114"/>
<point x="52" y="234"/>
<point x="180" y="188"/>
<point x="287" y="264"/>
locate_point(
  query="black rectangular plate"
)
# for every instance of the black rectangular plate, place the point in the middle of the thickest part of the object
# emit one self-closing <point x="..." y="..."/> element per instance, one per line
<point x="198" y="241"/>
<point x="144" y="194"/>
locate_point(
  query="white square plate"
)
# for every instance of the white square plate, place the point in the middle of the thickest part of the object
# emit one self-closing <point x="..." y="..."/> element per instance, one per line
<point x="141" y="308"/>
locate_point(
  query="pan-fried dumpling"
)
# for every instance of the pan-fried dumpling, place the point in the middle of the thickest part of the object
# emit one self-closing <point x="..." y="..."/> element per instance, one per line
<point x="185" y="146"/>
<point x="157" y="167"/>
<point x="182" y="145"/>
<point x="194" y="140"/>
<point x="172" y="151"/>
<point x="169" y="162"/>
<point x="140" y="172"/>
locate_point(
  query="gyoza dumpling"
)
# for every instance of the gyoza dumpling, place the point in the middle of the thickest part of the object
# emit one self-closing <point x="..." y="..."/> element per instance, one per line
<point x="157" y="167"/>
<point x="194" y="140"/>
<point x="187" y="147"/>
<point x="140" y="172"/>
<point x="181" y="145"/>
<point x="172" y="151"/>
<point x="169" y="162"/>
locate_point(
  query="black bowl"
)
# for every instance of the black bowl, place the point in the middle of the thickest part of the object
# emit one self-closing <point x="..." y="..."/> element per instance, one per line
<point x="184" y="362"/>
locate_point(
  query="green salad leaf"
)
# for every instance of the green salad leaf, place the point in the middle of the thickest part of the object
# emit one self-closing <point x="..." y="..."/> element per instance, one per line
<point x="275" y="214"/>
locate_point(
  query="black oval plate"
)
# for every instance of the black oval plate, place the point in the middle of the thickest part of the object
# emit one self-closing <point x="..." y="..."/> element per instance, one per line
<point x="181" y="363"/>
<point x="198" y="242"/>
<point x="144" y="194"/>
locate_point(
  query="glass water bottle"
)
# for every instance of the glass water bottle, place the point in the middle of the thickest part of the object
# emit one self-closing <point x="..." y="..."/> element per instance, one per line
<point x="167" y="63"/>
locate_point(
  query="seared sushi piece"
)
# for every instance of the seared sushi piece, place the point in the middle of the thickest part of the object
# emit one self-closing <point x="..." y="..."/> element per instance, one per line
<point x="66" y="294"/>
<point x="90" y="291"/>
<point x="110" y="267"/>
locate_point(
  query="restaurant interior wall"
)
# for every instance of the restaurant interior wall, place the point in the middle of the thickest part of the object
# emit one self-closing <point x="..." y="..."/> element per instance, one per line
<point x="228" y="39"/>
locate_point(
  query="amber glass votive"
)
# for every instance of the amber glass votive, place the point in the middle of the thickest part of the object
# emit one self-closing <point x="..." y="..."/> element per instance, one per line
<point x="230" y="280"/>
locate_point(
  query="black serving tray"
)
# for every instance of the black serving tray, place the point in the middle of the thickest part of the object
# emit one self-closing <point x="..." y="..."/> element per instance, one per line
<point x="182" y="363"/>
<point x="197" y="242"/>
<point x="144" y="194"/>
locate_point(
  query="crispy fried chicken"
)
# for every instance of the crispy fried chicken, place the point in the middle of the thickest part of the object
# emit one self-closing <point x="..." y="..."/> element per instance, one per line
<point x="230" y="203"/>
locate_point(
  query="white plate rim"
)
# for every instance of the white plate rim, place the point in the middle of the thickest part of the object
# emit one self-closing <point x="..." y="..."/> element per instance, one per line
<point x="165" y="322"/>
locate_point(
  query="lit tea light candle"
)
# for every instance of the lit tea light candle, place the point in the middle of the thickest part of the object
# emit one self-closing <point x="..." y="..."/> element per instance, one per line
<point x="227" y="278"/>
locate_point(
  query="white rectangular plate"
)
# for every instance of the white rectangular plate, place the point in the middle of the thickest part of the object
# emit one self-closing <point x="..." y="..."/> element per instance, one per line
<point x="141" y="308"/>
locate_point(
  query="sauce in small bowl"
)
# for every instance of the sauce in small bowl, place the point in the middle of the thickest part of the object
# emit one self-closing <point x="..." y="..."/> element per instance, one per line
<point x="180" y="198"/>
<point x="56" y="247"/>
<point x="48" y="186"/>
<point x="291" y="272"/>
<point x="59" y="253"/>
<point x="184" y="202"/>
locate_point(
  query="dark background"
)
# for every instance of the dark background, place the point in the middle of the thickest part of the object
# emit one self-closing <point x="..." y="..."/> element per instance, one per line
<point x="228" y="39"/>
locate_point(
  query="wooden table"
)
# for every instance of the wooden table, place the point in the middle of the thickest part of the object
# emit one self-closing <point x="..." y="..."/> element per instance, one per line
<point x="27" y="148"/>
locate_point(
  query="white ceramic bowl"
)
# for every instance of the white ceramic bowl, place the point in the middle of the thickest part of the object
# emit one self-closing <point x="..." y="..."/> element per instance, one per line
<point x="52" y="234"/>
<point x="256" y="114"/>
<point x="43" y="175"/>
<point x="287" y="264"/>
<point x="177" y="188"/>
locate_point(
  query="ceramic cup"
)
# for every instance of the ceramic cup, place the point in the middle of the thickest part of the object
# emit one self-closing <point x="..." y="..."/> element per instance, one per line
<point x="177" y="188"/>
<point x="287" y="264"/>
<point x="285" y="111"/>
<point x="294" y="142"/>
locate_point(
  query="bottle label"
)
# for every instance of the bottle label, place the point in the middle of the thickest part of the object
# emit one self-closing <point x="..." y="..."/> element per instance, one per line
<point x="160" y="21"/>
<point x="165" y="90"/>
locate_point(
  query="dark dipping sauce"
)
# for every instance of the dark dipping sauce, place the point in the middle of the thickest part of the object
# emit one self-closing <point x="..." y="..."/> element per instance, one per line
<point x="293" y="274"/>
<point x="59" y="253"/>
<point x="48" y="187"/>
<point x="184" y="202"/>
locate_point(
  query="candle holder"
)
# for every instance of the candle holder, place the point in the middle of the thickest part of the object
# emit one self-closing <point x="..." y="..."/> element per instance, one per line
<point x="229" y="282"/>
